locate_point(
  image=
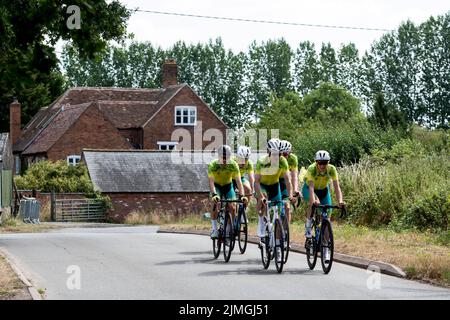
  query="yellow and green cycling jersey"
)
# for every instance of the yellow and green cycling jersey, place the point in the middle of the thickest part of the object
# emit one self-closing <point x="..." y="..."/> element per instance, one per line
<point x="292" y="162"/>
<point x="321" y="180"/>
<point x="244" y="168"/>
<point x="271" y="174"/>
<point x="223" y="174"/>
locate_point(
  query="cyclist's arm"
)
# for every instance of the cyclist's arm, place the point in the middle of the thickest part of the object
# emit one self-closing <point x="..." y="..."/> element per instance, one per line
<point x="240" y="186"/>
<point x="337" y="190"/>
<point x="257" y="186"/>
<point x="294" y="180"/>
<point x="212" y="188"/>
<point x="312" y="196"/>
<point x="287" y="179"/>
<point x="251" y="178"/>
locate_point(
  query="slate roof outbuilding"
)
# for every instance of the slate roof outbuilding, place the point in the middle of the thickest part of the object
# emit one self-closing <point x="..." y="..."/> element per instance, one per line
<point x="115" y="171"/>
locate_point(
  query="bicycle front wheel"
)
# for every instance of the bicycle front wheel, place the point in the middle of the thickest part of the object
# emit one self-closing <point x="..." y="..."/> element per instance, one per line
<point x="242" y="233"/>
<point x="216" y="246"/>
<point x="228" y="237"/>
<point x="279" y="247"/>
<point x="285" y="221"/>
<point x="326" y="245"/>
<point x="265" y="249"/>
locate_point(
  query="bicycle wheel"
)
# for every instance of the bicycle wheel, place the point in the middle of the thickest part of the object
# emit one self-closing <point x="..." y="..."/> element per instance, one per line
<point x="286" y="237"/>
<point x="228" y="237"/>
<point x="265" y="249"/>
<point x="311" y="249"/>
<point x="326" y="228"/>
<point x="278" y="251"/>
<point x="242" y="232"/>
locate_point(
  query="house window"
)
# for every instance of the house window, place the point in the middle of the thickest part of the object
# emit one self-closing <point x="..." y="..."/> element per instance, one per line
<point x="185" y="116"/>
<point x="167" y="145"/>
<point x="73" y="160"/>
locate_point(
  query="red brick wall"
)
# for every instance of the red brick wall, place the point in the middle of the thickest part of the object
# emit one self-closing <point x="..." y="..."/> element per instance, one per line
<point x="91" y="130"/>
<point x="160" y="128"/>
<point x="135" y="135"/>
<point x="165" y="203"/>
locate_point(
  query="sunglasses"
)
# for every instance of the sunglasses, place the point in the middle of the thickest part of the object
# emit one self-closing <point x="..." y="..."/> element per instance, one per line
<point x="322" y="163"/>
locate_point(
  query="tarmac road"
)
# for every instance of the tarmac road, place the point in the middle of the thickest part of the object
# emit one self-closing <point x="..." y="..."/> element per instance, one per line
<point x="139" y="263"/>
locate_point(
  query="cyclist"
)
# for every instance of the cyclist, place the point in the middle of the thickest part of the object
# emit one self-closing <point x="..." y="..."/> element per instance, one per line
<point x="245" y="167"/>
<point x="285" y="150"/>
<point x="268" y="171"/>
<point x="221" y="171"/>
<point x="316" y="188"/>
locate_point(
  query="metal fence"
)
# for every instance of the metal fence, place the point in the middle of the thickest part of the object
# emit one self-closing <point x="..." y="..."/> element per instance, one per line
<point x="72" y="210"/>
<point x="30" y="209"/>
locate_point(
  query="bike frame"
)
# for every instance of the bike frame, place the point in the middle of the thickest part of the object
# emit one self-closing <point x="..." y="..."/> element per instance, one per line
<point x="273" y="206"/>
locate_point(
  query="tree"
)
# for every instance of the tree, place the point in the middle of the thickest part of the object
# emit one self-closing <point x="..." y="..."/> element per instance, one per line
<point x="387" y="115"/>
<point x="330" y="102"/>
<point x="306" y="65"/>
<point x="286" y="114"/>
<point x="328" y="63"/>
<point x="28" y="31"/>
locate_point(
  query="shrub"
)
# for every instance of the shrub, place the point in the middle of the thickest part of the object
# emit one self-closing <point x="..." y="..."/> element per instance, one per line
<point x="398" y="192"/>
<point x="58" y="176"/>
<point x="429" y="211"/>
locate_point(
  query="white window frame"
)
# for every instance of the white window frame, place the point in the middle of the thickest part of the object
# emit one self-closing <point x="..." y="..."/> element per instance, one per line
<point x="75" y="158"/>
<point x="167" y="144"/>
<point x="182" y="108"/>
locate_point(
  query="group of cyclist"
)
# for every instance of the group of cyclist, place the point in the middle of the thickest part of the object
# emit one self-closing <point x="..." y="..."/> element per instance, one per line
<point x="275" y="177"/>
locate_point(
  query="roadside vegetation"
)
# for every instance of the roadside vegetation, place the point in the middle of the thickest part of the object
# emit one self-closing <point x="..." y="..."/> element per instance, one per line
<point x="10" y="285"/>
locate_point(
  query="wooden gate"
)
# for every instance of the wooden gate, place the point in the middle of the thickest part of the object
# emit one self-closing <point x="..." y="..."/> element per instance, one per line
<point x="78" y="210"/>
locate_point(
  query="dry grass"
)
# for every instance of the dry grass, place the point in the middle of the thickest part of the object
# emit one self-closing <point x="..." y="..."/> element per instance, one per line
<point x="15" y="225"/>
<point x="10" y="284"/>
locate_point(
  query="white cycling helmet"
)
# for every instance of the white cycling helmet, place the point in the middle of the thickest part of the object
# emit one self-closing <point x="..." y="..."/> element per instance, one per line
<point x="224" y="150"/>
<point x="285" y="146"/>
<point x="273" y="145"/>
<point x="243" y="152"/>
<point x="322" y="155"/>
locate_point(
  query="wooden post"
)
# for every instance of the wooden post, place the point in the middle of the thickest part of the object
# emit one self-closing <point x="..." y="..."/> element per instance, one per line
<point x="53" y="206"/>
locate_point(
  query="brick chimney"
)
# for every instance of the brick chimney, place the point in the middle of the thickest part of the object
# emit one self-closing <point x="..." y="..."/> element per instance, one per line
<point x="169" y="73"/>
<point x="14" y="121"/>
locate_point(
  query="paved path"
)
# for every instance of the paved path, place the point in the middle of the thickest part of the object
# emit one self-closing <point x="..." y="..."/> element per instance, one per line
<point x="139" y="263"/>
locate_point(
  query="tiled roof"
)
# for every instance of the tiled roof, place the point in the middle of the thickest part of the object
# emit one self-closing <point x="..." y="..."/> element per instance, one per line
<point x="62" y="120"/>
<point x="145" y="171"/>
<point x="124" y="107"/>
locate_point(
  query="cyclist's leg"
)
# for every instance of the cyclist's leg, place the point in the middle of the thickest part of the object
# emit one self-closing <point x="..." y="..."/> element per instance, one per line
<point x="230" y="195"/>
<point x="275" y="195"/>
<point x="325" y="199"/>
<point x="247" y="188"/>
<point x="305" y="194"/>
<point x="262" y="207"/>
<point x="285" y="195"/>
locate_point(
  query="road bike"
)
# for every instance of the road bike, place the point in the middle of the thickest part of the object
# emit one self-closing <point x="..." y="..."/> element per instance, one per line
<point x="322" y="238"/>
<point x="225" y="238"/>
<point x="272" y="244"/>
<point x="241" y="227"/>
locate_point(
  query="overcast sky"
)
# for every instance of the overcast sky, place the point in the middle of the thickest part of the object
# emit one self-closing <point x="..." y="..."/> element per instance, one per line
<point x="165" y="30"/>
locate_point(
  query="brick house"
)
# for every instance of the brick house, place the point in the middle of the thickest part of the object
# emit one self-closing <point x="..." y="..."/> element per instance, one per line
<point x="113" y="118"/>
<point x="149" y="181"/>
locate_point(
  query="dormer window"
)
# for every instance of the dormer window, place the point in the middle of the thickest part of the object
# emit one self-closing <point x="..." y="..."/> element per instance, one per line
<point x="185" y="116"/>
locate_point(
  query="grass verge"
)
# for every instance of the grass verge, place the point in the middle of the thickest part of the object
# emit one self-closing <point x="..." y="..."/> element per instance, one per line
<point x="11" y="288"/>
